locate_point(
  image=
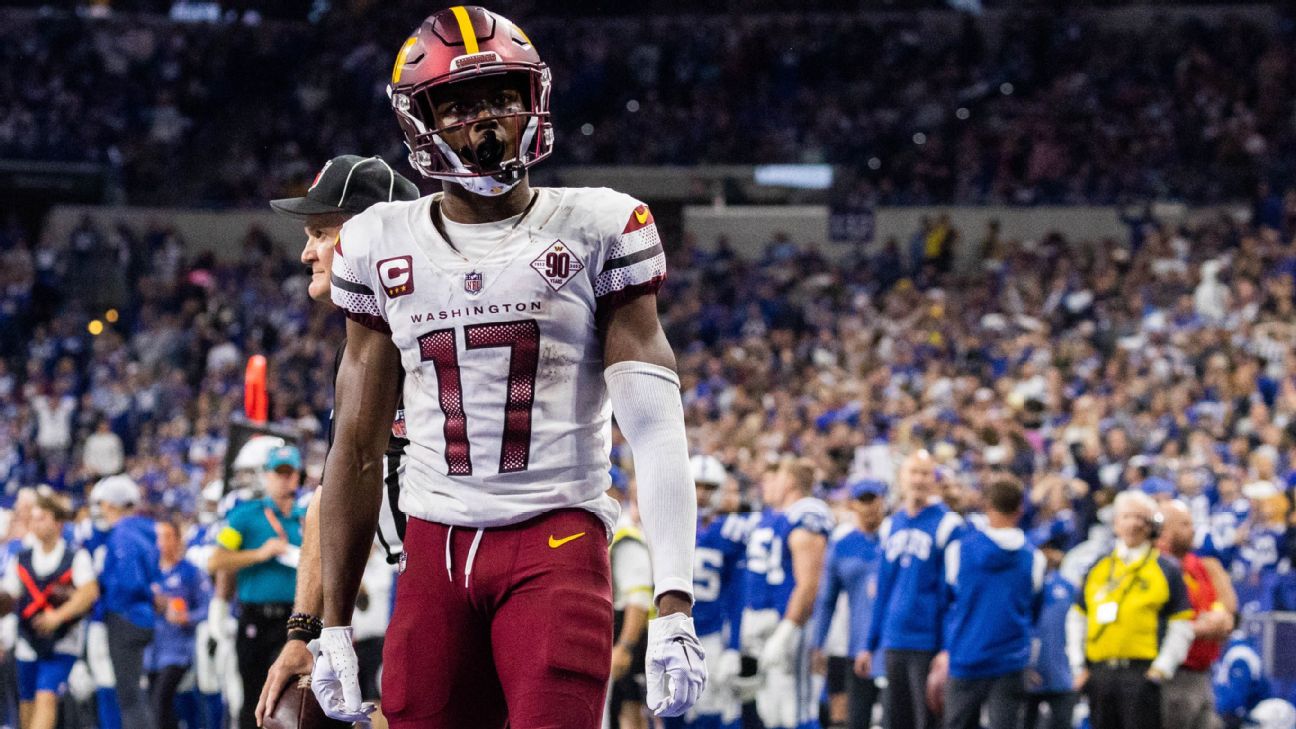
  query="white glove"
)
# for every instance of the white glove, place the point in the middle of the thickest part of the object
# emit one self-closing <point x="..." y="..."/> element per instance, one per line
<point x="780" y="646"/>
<point x="336" y="678"/>
<point x="80" y="683"/>
<point x="676" y="669"/>
<point x="728" y="668"/>
<point x="222" y="626"/>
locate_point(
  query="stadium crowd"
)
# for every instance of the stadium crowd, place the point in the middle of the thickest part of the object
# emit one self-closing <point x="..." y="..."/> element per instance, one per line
<point x="1041" y="108"/>
<point x="1161" y="363"/>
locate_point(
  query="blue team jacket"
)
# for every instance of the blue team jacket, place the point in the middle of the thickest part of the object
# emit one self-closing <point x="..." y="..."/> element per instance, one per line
<point x="994" y="580"/>
<point x="130" y="570"/>
<point x="909" y="614"/>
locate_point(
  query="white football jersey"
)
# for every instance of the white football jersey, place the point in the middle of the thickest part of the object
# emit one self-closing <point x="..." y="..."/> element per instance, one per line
<point x="506" y="409"/>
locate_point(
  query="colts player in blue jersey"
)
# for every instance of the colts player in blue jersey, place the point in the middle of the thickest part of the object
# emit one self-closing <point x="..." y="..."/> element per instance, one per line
<point x="717" y="599"/>
<point x="785" y="554"/>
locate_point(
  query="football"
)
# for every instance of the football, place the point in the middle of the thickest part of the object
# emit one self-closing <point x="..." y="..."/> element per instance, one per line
<point x="61" y="594"/>
<point x="299" y="709"/>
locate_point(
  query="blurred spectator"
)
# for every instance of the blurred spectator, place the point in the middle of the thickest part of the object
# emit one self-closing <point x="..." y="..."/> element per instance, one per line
<point x="54" y="424"/>
<point x="995" y="578"/>
<point x="1021" y="108"/>
<point x="908" y="622"/>
<point x="1187" y="698"/>
<point x="129" y="571"/>
<point x="1238" y="681"/>
<point x="852" y="566"/>
<point x="1049" y="680"/>
<point x="53" y="586"/>
<point x="102" y="454"/>
<point x="261" y="542"/>
<point x="182" y="596"/>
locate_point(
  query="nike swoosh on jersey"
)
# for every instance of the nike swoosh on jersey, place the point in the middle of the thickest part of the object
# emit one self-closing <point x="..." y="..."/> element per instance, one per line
<point x="641" y="215"/>
<point x="556" y="543"/>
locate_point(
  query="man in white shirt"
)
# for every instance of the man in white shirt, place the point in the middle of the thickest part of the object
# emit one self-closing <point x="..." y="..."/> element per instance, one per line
<point x="102" y="453"/>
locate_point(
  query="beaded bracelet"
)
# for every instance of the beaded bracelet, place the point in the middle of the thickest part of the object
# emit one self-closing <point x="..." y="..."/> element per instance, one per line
<point x="304" y="626"/>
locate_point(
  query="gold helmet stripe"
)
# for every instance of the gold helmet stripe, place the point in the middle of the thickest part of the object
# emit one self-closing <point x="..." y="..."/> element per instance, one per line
<point x="400" y="59"/>
<point x="466" y="29"/>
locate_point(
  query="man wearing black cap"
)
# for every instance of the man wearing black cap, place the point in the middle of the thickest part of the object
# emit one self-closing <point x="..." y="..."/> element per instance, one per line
<point x="353" y="183"/>
<point x="345" y="186"/>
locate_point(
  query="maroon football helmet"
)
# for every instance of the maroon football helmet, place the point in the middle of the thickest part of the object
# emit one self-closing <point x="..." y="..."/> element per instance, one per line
<point x="465" y="43"/>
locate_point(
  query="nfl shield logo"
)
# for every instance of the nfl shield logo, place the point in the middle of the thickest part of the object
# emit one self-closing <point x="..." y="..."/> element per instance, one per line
<point x="472" y="282"/>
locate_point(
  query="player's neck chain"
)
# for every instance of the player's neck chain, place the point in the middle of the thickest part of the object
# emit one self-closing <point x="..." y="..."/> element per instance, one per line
<point x="438" y="222"/>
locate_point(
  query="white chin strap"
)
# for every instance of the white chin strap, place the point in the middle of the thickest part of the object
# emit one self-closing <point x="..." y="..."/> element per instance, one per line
<point x="484" y="185"/>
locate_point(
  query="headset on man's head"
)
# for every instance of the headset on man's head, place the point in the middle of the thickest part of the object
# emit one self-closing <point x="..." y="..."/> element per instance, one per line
<point x="1154" y="524"/>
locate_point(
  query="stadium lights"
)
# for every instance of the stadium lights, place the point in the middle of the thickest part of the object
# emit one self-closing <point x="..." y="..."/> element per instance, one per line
<point x="805" y="177"/>
<point x="95" y="327"/>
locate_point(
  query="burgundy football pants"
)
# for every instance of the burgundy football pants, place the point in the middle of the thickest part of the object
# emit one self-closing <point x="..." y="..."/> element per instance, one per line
<point x="526" y="643"/>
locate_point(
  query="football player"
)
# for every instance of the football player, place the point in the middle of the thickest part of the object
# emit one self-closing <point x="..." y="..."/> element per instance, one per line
<point x="785" y="555"/>
<point x="717" y="595"/>
<point x="346" y="185"/>
<point x="523" y="318"/>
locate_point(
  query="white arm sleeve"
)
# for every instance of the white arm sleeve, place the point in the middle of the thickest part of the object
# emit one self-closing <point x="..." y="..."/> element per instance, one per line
<point x="1077" y="629"/>
<point x="1174" y="647"/>
<point x="646" y="401"/>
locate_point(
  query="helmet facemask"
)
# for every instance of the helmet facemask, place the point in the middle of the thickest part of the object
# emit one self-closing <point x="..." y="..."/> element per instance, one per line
<point x="483" y="141"/>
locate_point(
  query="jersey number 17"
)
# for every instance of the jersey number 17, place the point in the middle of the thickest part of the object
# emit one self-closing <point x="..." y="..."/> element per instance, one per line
<point x="441" y="348"/>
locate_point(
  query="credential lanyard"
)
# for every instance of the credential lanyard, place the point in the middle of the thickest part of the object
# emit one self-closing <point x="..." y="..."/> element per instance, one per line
<point x="274" y="523"/>
<point x="1133" y="574"/>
